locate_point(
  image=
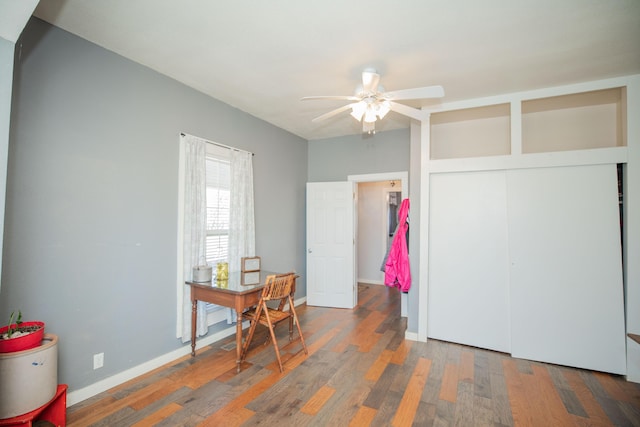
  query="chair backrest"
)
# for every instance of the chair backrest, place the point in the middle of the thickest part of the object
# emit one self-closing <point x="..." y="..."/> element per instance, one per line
<point x="278" y="286"/>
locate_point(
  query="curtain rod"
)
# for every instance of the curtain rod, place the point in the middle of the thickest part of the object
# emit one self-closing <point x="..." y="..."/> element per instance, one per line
<point x="218" y="144"/>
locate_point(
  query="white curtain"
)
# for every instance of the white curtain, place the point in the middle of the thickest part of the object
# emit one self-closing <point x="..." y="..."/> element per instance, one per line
<point x="242" y="235"/>
<point x="195" y="215"/>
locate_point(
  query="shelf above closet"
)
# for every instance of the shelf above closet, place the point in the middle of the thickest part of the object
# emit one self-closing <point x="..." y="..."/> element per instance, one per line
<point x="574" y="122"/>
<point x="471" y="132"/>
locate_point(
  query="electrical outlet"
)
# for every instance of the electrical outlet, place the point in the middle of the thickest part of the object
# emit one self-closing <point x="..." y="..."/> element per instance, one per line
<point x="98" y="360"/>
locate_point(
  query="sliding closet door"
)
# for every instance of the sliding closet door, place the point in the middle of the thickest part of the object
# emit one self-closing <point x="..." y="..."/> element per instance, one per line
<point x="566" y="274"/>
<point x="468" y="263"/>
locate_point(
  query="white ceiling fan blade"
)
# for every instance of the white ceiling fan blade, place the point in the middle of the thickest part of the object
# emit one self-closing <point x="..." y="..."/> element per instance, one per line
<point x="370" y="80"/>
<point x="342" y="97"/>
<point x="333" y="112"/>
<point x="405" y="110"/>
<point x="415" y="93"/>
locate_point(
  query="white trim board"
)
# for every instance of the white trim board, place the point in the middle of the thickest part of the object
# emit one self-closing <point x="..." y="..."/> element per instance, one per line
<point x="403" y="177"/>
<point x="371" y="281"/>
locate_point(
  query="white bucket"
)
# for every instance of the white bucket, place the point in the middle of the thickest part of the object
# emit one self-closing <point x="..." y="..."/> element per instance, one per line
<point x="29" y="378"/>
<point x="202" y="273"/>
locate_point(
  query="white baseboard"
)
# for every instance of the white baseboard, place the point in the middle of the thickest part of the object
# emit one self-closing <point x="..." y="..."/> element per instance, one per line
<point x="371" y="281"/>
<point x="411" y="336"/>
<point x="124" y="376"/>
<point x="84" y="393"/>
<point x="633" y="361"/>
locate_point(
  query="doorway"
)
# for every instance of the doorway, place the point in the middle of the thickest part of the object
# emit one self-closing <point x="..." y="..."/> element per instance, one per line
<point x="378" y="196"/>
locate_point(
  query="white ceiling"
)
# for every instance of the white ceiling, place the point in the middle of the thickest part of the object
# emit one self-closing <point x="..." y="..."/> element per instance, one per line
<point x="263" y="56"/>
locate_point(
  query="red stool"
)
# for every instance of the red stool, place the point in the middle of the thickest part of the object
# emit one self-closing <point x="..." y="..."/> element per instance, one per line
<point x="54" y="412"/>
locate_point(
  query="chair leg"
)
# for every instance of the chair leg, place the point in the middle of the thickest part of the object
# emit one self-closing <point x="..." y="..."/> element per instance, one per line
<point x="295" y="317"/>
<point x="290" y="328"/>
<point x="275" y="341"/>
<point x="252" y="330"/>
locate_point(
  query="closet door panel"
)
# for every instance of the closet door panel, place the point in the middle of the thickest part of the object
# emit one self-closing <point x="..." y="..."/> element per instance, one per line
<point x="468" y="262"/>
<point x="566" y="274"/>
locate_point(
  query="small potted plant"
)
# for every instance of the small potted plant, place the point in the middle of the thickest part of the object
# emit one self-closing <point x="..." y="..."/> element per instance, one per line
<point x="20" y="335"/>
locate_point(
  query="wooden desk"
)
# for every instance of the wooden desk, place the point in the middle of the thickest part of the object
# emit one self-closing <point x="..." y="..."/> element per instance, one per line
<point x="231" y="293"/>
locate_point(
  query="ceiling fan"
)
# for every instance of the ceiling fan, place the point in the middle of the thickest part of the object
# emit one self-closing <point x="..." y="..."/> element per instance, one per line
<point x="371" y="102"/>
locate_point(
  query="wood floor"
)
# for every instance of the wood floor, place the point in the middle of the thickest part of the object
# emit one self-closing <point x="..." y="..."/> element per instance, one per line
<point x="359" y="372"/>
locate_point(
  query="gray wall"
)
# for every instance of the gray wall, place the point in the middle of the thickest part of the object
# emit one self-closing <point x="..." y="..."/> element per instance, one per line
<point x="91" y="206"/>
<point x="6" y="83"/>
<point x="334" y="159"/>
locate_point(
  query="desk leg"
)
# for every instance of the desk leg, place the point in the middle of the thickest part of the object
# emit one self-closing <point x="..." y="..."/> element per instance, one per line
<point x="194" y="312"/>
<point x="238" y="339"/>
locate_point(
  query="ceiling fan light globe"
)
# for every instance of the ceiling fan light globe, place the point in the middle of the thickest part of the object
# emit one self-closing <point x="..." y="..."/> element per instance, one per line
<point x="357" y="116"/>
<point x="358" y="109"/>
<point x="383" y="108"/>
<point x="370" y="116"/>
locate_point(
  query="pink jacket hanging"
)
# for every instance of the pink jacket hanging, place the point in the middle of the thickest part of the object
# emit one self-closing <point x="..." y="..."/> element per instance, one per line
<point x="397" y="271"/>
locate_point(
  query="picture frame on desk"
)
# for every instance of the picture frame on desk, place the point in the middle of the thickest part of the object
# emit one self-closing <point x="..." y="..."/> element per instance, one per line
<point x="250" y="277"/>
<point x="249" y="264"/>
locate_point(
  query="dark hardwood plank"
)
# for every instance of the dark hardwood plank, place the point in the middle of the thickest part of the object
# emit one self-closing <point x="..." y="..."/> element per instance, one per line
<point x="180" y="420"/>
<point x="572" y="403"/>
<point x="437" y="353"/>
<point x="381" y="387"/>
<point x="482" y="375"/>
<point x="585" y="396"/>
<point x="158" y="416"/>
<point x="205" y="400"/>
<point x="483" y="412"/>
<point x="445" y="413"/>
<point x="425" y="414"/>
<point x="154" y="412"/>
<point x="464" y="414"/>
<point x="346" y="404"/>
<point x="500" y="399"/>
<point x="387" y="409"/>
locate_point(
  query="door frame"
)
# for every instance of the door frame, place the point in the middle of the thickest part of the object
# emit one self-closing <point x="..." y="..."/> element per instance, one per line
<point x="403" y="177"/>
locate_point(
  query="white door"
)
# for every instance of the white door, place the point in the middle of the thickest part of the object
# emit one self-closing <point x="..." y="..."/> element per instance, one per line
<point x="567" y="303"/>
<point x="331" y="244"/>
<point x="468" y="258"/>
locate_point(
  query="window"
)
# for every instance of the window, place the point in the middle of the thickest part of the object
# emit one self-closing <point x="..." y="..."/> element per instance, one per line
<point x="218" y="176"/>
<point x="226" y="236"/>
<point x="218" y="206"/>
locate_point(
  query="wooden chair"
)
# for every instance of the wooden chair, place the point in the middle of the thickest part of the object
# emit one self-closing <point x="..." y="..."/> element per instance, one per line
<point x="277" y="288"/>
